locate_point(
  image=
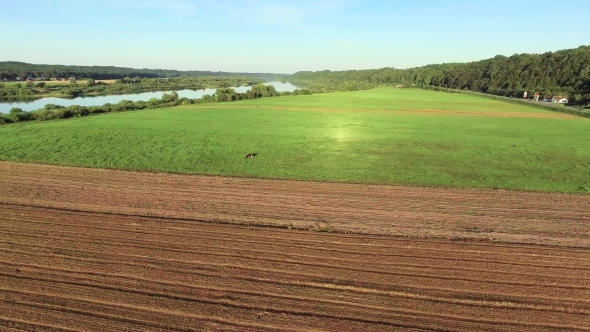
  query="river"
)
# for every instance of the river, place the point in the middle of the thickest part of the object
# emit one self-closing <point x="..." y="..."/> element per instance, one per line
<point x="31" y="105"/>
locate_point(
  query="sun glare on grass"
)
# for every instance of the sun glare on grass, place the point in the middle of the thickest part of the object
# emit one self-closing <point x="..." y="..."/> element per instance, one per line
<point x="340" y="135"/>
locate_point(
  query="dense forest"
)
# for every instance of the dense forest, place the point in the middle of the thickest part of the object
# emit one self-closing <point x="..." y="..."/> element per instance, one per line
<point x="10" y="70"/>
<point x="565" y="72"/>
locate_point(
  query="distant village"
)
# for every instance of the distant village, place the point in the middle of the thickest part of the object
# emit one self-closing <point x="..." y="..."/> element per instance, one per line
<point x="548" y="99"/>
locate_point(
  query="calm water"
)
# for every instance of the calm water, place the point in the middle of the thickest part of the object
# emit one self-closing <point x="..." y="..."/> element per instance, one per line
<point x="101" y="100"/>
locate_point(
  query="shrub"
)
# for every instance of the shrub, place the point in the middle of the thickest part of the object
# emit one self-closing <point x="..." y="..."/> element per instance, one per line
<point x="22" y="116"/>
<point x="4" y="119"/>
<point x="43" y="114"/>
<point x="141" y="105"/>
<point x="52" y="106"/>
<point x="76" y="111"/>
<point x="98" y="110"/>
<point x="154" y="101"/>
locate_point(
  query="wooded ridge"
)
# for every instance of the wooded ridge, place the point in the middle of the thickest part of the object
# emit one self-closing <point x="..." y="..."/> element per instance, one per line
<point x="565" y="72"/>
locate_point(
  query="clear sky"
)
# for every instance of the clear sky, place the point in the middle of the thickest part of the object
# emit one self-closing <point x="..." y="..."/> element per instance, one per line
<point x="284" y="36"/>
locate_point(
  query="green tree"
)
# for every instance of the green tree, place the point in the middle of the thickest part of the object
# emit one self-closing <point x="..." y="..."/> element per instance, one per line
<point x="154" y="101"/>
<point x="40" y="85"/>
<point x="30" y="84"/>
<point x="90" y="82"/>
<point x="226" y="94"/>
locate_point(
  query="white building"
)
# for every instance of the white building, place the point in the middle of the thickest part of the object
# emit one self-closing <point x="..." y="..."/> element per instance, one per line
<point x="559" y="100"/>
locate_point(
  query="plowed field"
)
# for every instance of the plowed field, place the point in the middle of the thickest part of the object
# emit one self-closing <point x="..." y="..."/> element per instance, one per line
<point x="87" y="249"/>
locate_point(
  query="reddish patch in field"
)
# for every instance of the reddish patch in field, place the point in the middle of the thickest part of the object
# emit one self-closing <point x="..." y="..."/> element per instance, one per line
<point x="499" y="114"/>
<point x="495" y="114"/>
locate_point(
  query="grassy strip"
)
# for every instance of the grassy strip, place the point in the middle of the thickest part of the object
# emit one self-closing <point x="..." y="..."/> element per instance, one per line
<point x="542" y="105"/>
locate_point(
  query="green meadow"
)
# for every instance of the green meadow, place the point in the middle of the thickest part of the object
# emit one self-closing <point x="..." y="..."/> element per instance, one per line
<point x="382" y="136"/>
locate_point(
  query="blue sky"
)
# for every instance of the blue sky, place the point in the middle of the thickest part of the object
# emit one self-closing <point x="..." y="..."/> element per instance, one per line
<point x="284" y="36"/>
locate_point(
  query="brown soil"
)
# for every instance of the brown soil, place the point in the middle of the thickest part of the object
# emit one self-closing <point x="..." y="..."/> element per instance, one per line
<point x="106" y="81"/>
<point x="106" y="250"/>
<point x="499" y="114"/>
<point x="490" y="215"/>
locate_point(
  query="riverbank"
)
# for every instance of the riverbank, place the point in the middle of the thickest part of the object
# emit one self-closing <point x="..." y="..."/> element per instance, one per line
<point x="29" y="91"/>
<point x="52" y="111"/>
<point x="96" y="99"/>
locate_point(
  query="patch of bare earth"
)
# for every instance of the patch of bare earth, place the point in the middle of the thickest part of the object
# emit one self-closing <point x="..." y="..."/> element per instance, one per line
<point x="498" y="114"/>
<point x="105" y="250"/>
<point x="494" y="114"/>
<point x="106" y="81"/>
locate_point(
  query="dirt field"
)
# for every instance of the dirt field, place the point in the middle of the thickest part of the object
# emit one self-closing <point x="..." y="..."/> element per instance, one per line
<point x="434" y="112"/>
<point x="489" y="215"/>
<point x="106" y="81"/>
<point x="108" y="250"/>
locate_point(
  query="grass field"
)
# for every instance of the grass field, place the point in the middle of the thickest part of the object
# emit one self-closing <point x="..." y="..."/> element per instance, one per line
<point x="384" y="135"/>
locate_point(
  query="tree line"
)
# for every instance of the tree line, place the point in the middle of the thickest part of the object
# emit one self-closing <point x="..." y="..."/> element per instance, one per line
<point x="10" y="70"/>
<point x="52" y="111"/>
<point x="565" y="72"/>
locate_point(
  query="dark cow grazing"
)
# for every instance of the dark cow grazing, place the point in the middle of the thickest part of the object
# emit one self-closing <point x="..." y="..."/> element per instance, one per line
<point x="251" y="155"/>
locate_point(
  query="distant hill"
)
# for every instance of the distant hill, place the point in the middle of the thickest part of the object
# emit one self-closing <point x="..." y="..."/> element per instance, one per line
<point x="565" y="72"/>
<point x="12" y="69"/>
